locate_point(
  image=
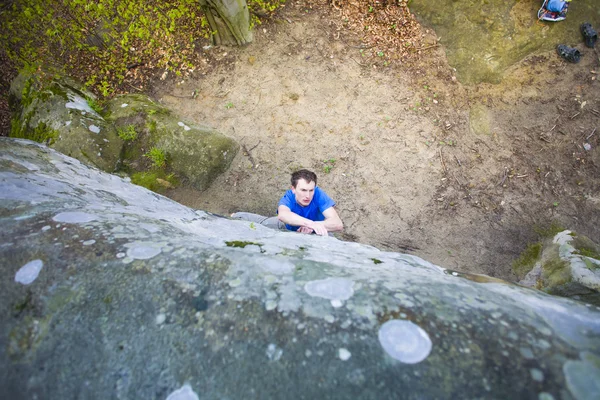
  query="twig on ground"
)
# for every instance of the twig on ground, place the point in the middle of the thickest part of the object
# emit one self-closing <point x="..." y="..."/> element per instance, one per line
<point x="575" y="115"/>
<point x="442" y="161"/>
<point x="253" y="147"/>
<point x="504" y="177"/>
<point x="362" y="65"/>
<point x="458" y="161"/>
<point x="591" y="134"/>
<point x="247" y="153"/>
<point x="428" y="47"/>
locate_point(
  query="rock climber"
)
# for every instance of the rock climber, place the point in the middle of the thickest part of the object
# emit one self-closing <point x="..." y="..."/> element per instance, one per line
<point x="304" y="208"/>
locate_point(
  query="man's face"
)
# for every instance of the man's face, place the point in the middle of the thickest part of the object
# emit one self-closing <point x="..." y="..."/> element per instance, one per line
<point x="304" y="192"/>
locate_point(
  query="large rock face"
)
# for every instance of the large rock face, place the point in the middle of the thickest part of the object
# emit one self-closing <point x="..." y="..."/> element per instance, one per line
<point x="111" y="291"/>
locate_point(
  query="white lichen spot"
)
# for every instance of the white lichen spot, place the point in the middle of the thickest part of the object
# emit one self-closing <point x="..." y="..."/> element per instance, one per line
<point x="331" y="288"/>
<point x="329" y="318"/>
<point x="74" y="217"/>
<point x="89" y="242"/>
<point x="183" y="393"/>
<point x="582" y="376"/>
<point x="94" y="128"/>
<point x="45" y="228"/>
<point x="335" y="303"/>
<point x="120" y="255"/>
<point x="344" y="354"/>
<point x="274" y="353"/>
<point x="536" y="375"/>
<point x="124" y="105"/>
<point x="143" y="251"/>
<point x="186" y="128"/>
<point x="308" y="353"/>
<point x="180" y="123"/>
<point x="29" y="272"/>
<point x="545" y="396"/>
<point x="79" y="103"/>
<point x="68" y="123"/>
<point x="404" y="341"/>
<point x="270" y="305"/>
<point x="160" y="319"/>
<point x="235" y="283"/>
<point x="526" y="353"/>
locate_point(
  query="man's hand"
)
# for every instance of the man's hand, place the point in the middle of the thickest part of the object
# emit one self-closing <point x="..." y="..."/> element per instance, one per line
<point x="319" y="228"/>
<point x="305" y="229"/>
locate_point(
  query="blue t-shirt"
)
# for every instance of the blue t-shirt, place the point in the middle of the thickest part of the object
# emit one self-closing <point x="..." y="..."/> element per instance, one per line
<point x="313" y="211"/>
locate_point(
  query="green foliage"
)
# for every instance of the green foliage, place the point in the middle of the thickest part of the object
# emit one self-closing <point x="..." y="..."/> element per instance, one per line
<point x="94" y="105"/>
<point x="127" y="133"/>
<point x="96" y="41"/>
<point x="157" y="156"/>
<point x="262" y="9"/>
<point x="329" y="164"/>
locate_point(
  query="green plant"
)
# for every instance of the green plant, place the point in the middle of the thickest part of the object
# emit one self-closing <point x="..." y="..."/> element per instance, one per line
<point x="157" y="156"/>
<point x="127" y="133"/>
<point x="94" y="105"/>
<point x="229" y="105"/>
<point x="99" y="41"/>
<point x="329" y="164"/>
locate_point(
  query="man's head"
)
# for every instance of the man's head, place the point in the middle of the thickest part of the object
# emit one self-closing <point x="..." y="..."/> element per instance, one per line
<point x="303" y="186"/>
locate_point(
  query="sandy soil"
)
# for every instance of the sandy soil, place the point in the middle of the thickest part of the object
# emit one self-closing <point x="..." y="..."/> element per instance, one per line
<point x="462" y="176"/>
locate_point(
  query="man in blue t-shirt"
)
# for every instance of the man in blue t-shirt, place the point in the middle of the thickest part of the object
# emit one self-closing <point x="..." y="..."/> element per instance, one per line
<point x="304" y="208"/>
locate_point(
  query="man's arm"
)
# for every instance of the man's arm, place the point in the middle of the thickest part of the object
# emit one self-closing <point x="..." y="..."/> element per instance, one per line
<point x="332" y="222"/>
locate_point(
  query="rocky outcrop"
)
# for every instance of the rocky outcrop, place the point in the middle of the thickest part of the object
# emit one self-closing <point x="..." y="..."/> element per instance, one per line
<point x="57" y="111"/>
<point x="567" y="265"/>
<point x="130" y="134"/>
<point x="196" y="154"/>
<point x="111" y="291"/>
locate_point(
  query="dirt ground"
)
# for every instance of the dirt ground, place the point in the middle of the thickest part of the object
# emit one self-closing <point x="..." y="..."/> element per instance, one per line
<point x="464" y="177"/>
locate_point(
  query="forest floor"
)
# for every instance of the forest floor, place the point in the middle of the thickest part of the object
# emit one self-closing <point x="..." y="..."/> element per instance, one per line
<point x="464" y="177"/>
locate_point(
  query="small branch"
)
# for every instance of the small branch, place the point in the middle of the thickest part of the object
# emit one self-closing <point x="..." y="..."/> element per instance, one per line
<point x="442" y="161"/>
<point x="253" y="147"/>
<point x="458" y="161"/>
<point x="247" y="153"/>
<point x="503" y="178"/>
<point x="575" y="115"/>
<point x="591" y="134"/>
<point x="428" y="47"/>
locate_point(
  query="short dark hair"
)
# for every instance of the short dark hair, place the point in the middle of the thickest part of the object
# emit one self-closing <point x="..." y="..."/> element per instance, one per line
<point x="305" y="174"/>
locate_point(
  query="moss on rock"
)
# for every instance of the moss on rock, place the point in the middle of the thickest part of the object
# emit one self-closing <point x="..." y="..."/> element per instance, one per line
<point x="195" y="154"/>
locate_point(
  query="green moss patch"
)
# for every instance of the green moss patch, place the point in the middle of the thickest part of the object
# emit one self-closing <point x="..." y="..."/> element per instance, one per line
<point x="555" y="271"/>
<point x="526" y="261"/>
<point x="41" y="133"/>
<point x="157" y="181"/>
<point x="585" y="247"/>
